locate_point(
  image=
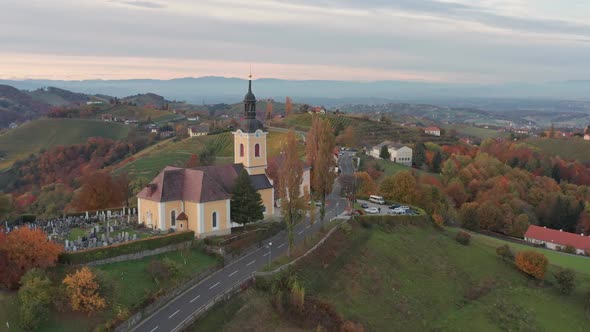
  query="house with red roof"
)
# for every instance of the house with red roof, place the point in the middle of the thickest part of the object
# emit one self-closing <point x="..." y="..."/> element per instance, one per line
<point x="434" y="131"/>
<point x="557" y="239"/>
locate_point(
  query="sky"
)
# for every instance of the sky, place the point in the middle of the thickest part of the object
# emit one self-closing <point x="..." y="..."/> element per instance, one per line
<point x="460" y="41"/>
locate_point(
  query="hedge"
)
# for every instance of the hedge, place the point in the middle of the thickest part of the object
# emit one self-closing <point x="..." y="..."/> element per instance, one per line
<point x="95" y="254"/>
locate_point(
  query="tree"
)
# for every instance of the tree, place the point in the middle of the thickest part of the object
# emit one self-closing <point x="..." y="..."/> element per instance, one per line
<point x="566" y="281"/>
<point x="291" y="178"/>
<point x="532" y="263"/>
<point x="288" y="106"/>
<point x="193" y="161"/>
<point x="365" y="184"/>
<point x="436" y="162"/>
<point x="83" y="289"/>
<point x="181" y="131"/>
<point x="246" y="202"/>
<point x="348" y="137"/>
<point x="35" y="297"/>
<point x="384" y="153"/>
<point x="207" y="156"/>
<point x="22" y="250"/>
<point x="419" y="156"/>
<point x="505" y="253"/>
<point x="468" y="216"/>
<point x="268" y="115"/>
<point x="99" y="191"/>
<point x="551" y="131"/>
<point x="323" y="166"/>
<point x="5" y="205"/>
<point x="400" y="187"/>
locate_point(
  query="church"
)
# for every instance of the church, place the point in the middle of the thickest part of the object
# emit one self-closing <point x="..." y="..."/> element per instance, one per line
<point x="199" y="199"/>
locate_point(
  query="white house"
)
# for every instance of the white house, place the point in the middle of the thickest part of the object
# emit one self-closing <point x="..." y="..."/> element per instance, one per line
<point x="587" y="134"/>
<point x="198" y="130"/>
<point x="399" y="153"/>
<point x="557" y="239"/>
<point x="434" y="131"/>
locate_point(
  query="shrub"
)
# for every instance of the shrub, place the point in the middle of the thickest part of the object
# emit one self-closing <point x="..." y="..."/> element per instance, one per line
<point x="587" y="302"/>
<point x="35" y="297"/>
<point x="505" y="253"/>
<point x="297" y="297"/>
<point x="439" y="221"/>
<point x="532" y="263"/>
<point x="83" y="291"/>
<point x="91" y="255"/>
<point x="346" y="228"/>
<point x="566" y="281"/>
<point x="569" y="249"/>
<point x="463" y="237"/>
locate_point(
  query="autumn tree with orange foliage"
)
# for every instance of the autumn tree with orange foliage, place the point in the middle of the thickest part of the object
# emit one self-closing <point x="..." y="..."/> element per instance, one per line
<point x="348" y="137"/>
<point x="532" y="263"/>
<point x="193" y="161"/>
<point x="365" y="184"/>
<point x="288" y="106"/>
<point x="291" y="177"/>
<point x="82" y="289"/>
<point x="99" y="191"/>
<point x="22" y="250"/>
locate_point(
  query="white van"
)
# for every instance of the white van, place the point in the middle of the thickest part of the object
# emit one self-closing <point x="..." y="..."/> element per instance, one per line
<point x="377" y="199"/>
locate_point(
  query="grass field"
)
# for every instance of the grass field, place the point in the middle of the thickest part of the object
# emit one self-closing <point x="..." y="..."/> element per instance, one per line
<point x="416" y="278"/>
<point x="131" y="286"/>
<point x="572" y="149"/>
<point x="148" y="163"/>
<point x="477" y="132"/>
<point x="46" y="133"/>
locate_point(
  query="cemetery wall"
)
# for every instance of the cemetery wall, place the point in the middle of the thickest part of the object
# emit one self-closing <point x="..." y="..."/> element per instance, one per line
<point x="126" y="248"/>
<point x="142" y="254"/>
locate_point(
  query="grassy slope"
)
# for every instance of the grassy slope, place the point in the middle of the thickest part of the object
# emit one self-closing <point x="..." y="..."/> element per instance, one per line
<point x="573" y="149"/>
<point x="46" y="133"/>
<point x="478" y="132"/>
<point x="131" y="286"/>
<point x="414" y="278"/>
<point x="148" y="163"/>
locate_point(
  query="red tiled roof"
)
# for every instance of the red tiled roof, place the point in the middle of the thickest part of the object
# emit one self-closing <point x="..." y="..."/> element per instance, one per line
<point x="182" y="216"/>
<point x="432" y="129"/>
<point x="558" y="237"/>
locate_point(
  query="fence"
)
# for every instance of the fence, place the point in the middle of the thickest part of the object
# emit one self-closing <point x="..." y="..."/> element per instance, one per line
<point x="234" y="289"/>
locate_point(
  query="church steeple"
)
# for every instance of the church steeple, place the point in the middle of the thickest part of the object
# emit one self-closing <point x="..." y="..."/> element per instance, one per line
<point x="250" y="101"/>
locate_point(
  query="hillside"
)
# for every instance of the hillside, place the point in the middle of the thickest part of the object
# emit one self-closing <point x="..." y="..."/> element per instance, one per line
<point x="150" y="100"/>
<point x="368" y="132"/>
<point x="46" y="133"/>
<point x="16" y="105"/>
<point x="570" y="149"/>
<point x="58" y="97"/>
<point x="407" y="276"/>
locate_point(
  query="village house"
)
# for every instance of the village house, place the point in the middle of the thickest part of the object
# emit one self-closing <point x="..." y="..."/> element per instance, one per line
<point x="199" y="199"/>
<point x="587" y="134"/>
<point x="557" y="239"/>
<point x="398" y="153"/>
<point x="198" y="130"/>
<point x="434" y="131"/>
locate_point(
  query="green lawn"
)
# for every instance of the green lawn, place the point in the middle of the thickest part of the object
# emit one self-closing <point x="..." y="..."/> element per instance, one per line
<point x="47" y="133"/>
<point x="406" y="277"/>
<point x="570" y="149"/>
<point x="477" y="132"/>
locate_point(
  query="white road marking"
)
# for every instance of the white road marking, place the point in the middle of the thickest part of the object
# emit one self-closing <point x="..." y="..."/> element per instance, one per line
<point x="236" y="271"/>
<point x="252" y="262"/>
<point x="155" y="328"/>
<point x="307" y="227"/>
<point x="281" y="245"/>
<point x="301" y="232"/>
<point x="193" y="300"/>
<point x="174" y="313"/>
<point x="214" y="286"/>
<point x="266" y="254"/>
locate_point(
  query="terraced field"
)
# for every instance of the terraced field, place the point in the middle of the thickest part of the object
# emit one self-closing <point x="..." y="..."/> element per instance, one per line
<point x="573" y="149"/>
<point x="46" y="133"/>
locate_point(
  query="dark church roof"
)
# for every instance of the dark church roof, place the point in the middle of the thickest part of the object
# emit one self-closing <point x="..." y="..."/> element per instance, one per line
<point x="250" y="124"/>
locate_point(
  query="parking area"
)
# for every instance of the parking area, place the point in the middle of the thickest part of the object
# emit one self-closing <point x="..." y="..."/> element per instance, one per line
<point x="370" y="208"/>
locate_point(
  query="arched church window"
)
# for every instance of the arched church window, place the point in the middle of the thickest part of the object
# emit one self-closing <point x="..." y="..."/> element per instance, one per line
<point x="214" y="220"/>
<point x="257" y="150"/>
<point x="241" y="150"/>
<point x="173" y="218"/>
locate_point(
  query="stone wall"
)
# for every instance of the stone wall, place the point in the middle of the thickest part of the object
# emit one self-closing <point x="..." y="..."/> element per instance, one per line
<point x="142" y="254"/>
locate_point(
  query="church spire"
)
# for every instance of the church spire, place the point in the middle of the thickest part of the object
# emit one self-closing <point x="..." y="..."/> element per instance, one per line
<point x="250" y="101"/>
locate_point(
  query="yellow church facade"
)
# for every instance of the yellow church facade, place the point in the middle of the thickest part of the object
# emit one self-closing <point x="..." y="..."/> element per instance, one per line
<point x="199" y="199"/>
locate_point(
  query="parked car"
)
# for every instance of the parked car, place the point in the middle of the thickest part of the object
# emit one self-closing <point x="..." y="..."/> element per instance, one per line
<point x="364" y="205"/>
<point x="393" y="206"/>
<point x="372" y="210"/>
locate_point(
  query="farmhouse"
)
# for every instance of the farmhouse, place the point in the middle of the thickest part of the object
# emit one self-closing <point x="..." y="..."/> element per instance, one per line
<point x="587" y="134"/>
<point x="557" y="239"/>
<point x="198" y="130"/>
<point x="399" y="153"/>
<point x="434" y="131"/>
<point x="199" y="199"/>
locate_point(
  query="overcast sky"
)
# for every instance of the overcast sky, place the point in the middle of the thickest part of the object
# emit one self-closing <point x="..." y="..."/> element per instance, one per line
<point x="443" y="41"/>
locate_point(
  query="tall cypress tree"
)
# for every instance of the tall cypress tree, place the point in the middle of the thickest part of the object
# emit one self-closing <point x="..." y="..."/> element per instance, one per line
<point x="246" y="203"/>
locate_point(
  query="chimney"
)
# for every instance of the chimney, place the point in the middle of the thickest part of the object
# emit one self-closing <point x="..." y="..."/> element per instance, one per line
<point x="561" y="230"/>
<point x="152" y="187"/>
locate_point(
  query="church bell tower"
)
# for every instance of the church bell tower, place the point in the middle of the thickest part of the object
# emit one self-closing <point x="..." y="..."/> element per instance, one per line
<point x="250" y="137"/>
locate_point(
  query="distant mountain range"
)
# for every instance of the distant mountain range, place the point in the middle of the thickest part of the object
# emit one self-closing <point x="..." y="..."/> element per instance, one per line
<point x="211" y="90"/>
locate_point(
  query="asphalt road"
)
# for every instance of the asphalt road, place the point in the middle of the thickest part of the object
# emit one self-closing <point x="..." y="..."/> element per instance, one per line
<point x="175" y="312"/>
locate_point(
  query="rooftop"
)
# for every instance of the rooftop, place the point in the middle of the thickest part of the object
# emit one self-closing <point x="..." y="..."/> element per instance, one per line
<point x="558" y="237"/>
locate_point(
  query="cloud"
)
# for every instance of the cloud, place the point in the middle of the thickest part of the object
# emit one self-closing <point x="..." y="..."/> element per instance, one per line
<point x="141" y="4"/>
